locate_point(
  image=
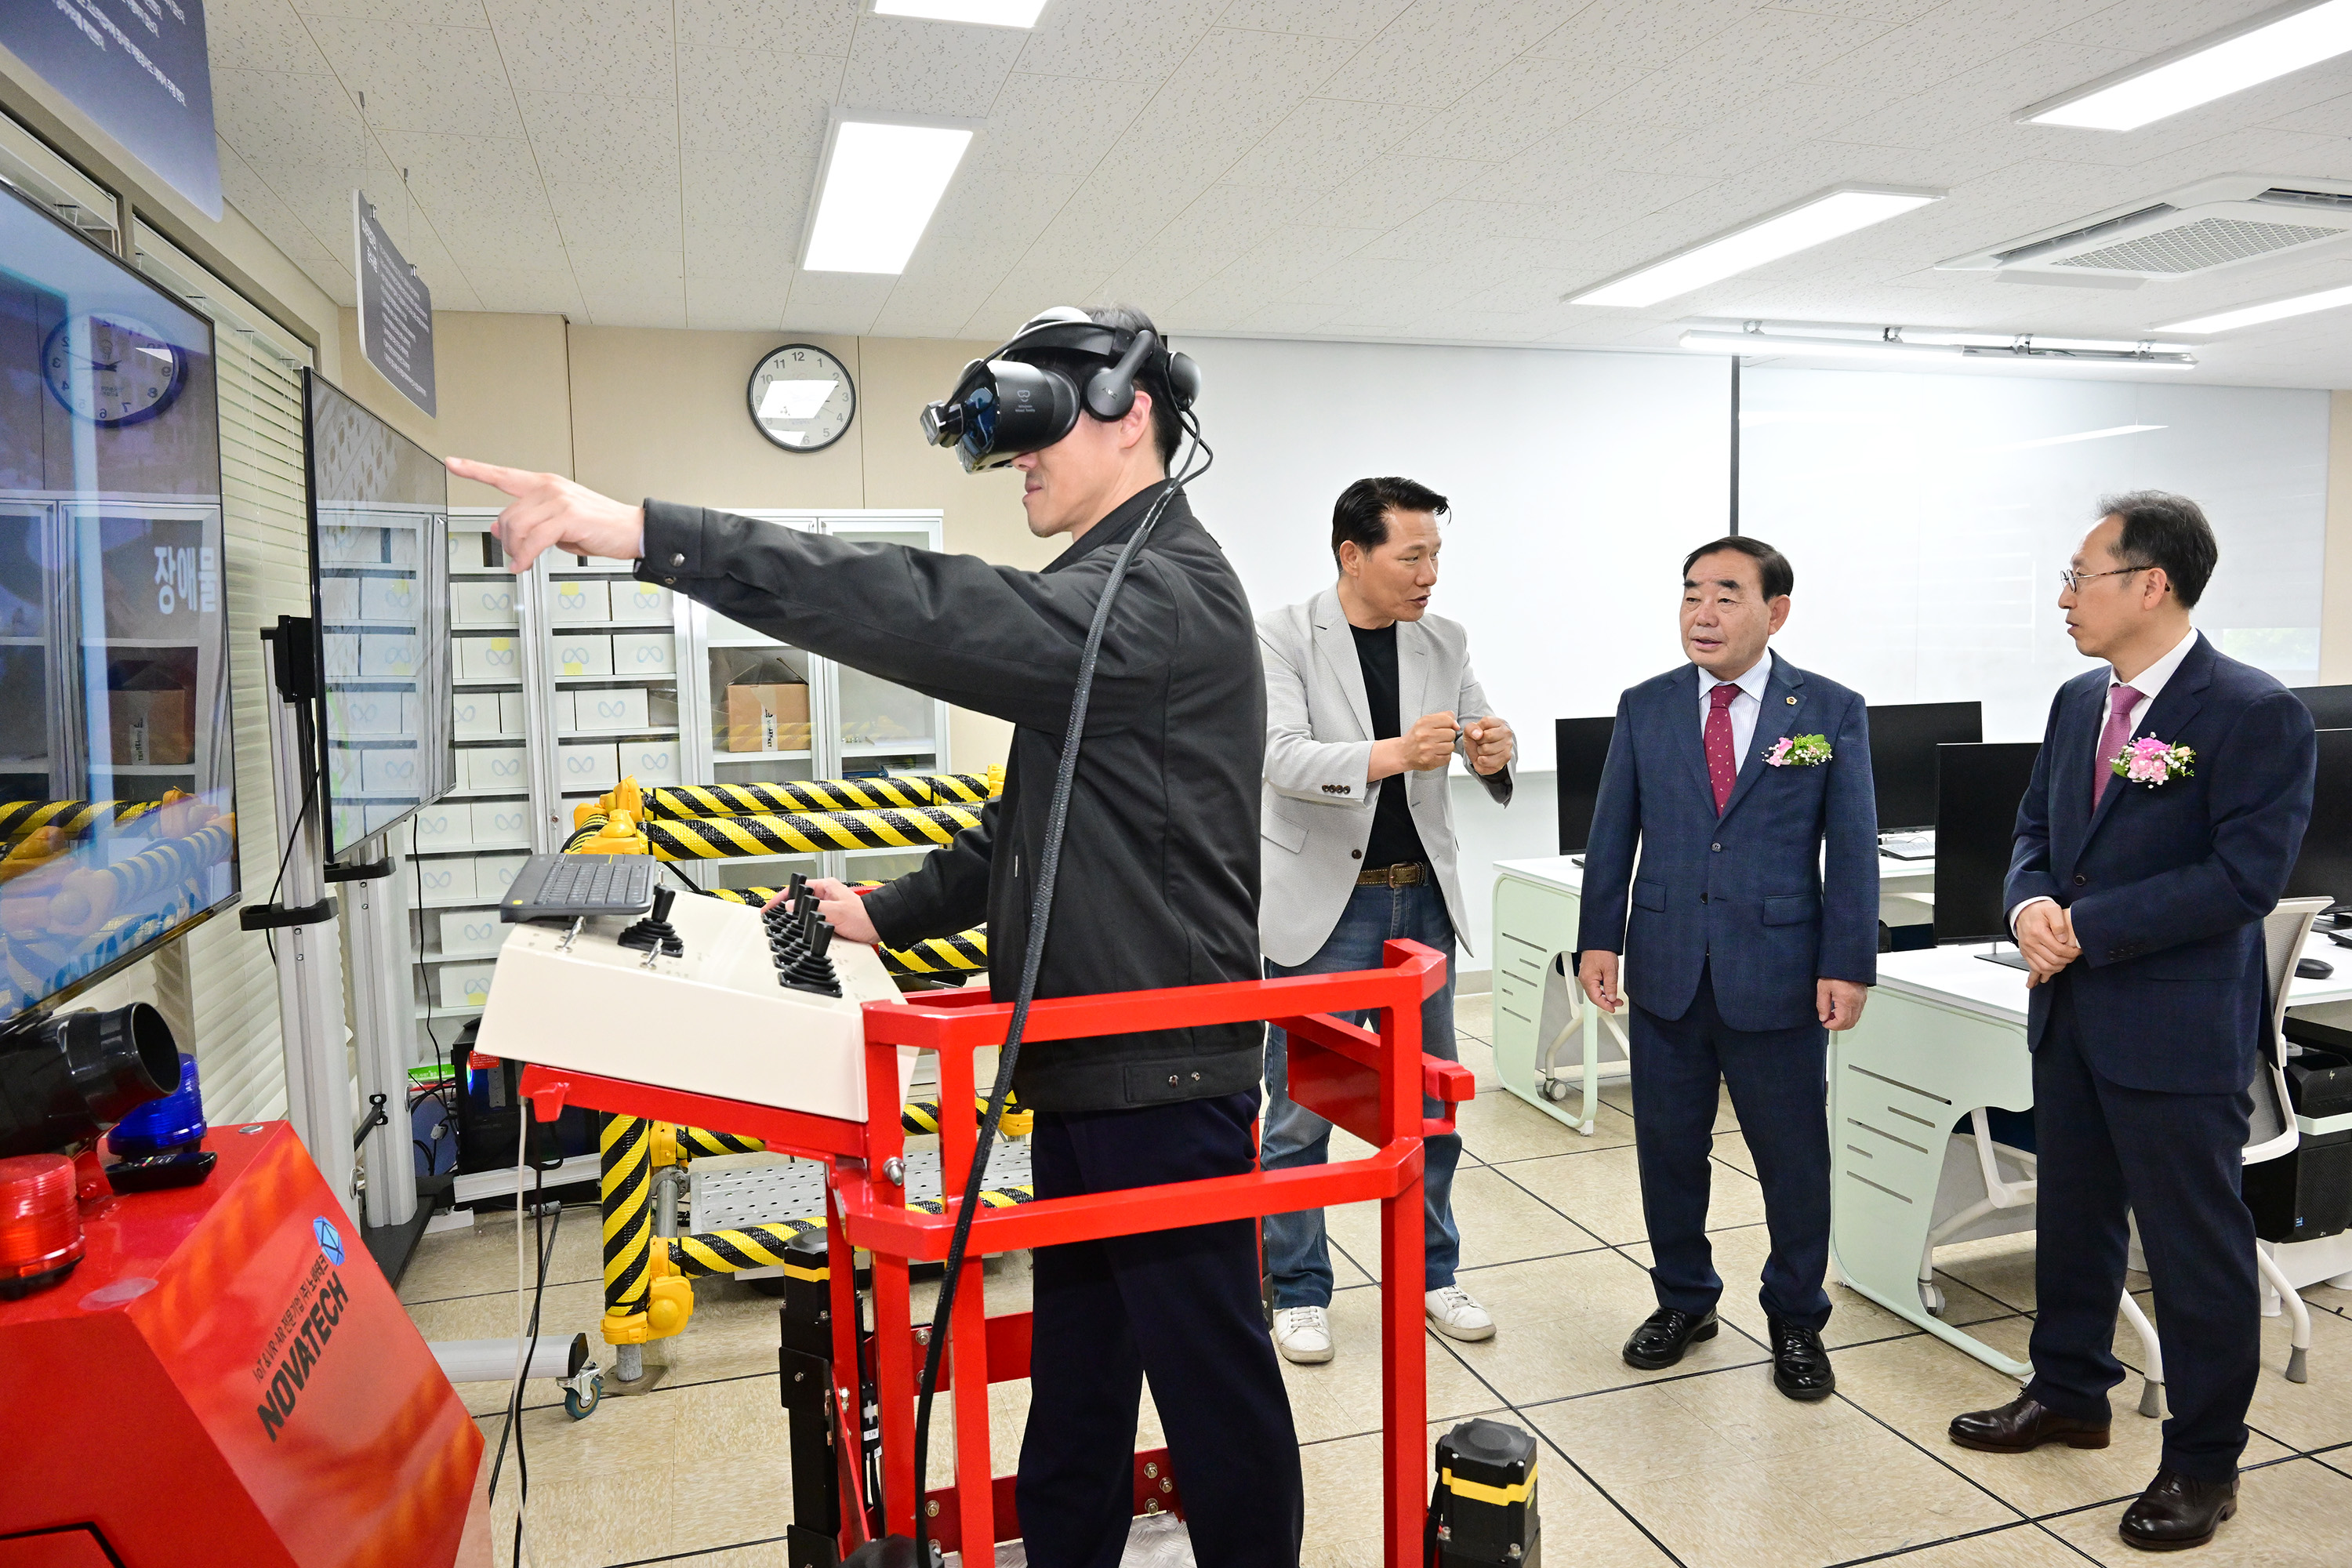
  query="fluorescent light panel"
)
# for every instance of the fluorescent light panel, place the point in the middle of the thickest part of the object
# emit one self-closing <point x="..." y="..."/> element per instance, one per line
<point x="2254" y="315"/>
<point x="1759" y="345"/>
<point x="2230" y="65"/>
<point x="879" y="190"/>
<point x="986" y="13"/>
<point x="1826" y="218"/>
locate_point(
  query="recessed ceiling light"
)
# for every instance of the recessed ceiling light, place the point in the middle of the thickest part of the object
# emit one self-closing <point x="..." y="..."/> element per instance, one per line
<point x="2215" y="68"/>
<point x="2254" y="315"/>
<point x="879" y="189"/>
<point x="2069" y="440"/>
<point x="1784" y="234"/>
<point x="987" y="13"/>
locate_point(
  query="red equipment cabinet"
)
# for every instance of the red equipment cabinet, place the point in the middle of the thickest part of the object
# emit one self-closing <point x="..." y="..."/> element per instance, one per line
<point x="228" y="1378"/>
<point x="1370" y="1083"/>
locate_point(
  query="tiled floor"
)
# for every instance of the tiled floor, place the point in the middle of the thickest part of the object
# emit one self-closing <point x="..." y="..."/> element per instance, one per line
<point x="1704" y="1465"/>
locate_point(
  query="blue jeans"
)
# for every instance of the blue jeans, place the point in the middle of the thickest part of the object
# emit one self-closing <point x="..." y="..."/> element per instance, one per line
<point x="1297" y="1255"/>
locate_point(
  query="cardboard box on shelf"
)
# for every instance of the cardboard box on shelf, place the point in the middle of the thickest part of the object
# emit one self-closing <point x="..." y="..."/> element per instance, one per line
<point x="645" y="653"/>
<point x="450" y="881"/>
<point x="150" y="727"/>
<point x="622" y="708"/>
<point x="579" y="604"/>
<point x="445" y="824"/>
<point x="470" y="934"/>
<point x="587" y="770"/>
<point x="490" y="658"/>
<point x="578" y="654"/>
<point x="483" y="603"/>
<point x="494" y="768"/>
<point x="500" y="824"/>
<point x="765" y="713"/>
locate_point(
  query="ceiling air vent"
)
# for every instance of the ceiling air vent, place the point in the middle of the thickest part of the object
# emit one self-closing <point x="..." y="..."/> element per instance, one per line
<point x="2235" y="220"/>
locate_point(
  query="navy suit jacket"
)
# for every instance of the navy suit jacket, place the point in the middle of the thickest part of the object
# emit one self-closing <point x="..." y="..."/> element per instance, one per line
<point x="2168" y="883"/>
<point x="1750" y="892"/>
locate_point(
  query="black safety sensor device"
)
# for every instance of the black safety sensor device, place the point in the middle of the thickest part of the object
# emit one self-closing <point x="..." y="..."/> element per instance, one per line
<point x="1002" y="405"/>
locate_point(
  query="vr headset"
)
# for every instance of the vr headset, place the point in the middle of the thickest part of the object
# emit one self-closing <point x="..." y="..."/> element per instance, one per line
<point x="1004" y="406"/>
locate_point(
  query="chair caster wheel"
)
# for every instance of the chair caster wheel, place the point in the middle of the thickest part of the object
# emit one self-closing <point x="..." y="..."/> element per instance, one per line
<point x="579" y="1408"/>
<point x="1554" y="1090"/>
<point x="1931" y="1297"/>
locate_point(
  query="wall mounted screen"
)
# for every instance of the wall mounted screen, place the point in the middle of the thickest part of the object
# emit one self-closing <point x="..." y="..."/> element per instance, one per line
<point x="118" y="826"/>
<point x="379" y="577"/>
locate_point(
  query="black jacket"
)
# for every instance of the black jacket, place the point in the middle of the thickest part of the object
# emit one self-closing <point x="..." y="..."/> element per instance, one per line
<point x="1158" y="881"/>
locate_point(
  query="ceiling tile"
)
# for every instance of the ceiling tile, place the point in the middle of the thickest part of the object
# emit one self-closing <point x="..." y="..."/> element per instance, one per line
<point x="415" y="13"/>
<point x="753" y="302"/>
<point x="800" y="26"/>
<point x="289" y="119"/>
<point x="1640" y="34"/>
<point x="1524" y="105"/>
<point x="484" y="193"/>
<point x="611" y="165"/>
<point x="1436" y="52"/>
<point x="844" y="302"/>
<point x="1326" y="19"/>
<point x="2151" y="26"/>
<point x="544" y="291"/>
<point x="259" y="34"/>
<point x="1323" y="140"/>
<point x="899" y="65"/>
<point x="445" y="80"/>
<point x="586" y="45"/>
<point x="1101" y="38"/>
<point x="1391" y="190"/>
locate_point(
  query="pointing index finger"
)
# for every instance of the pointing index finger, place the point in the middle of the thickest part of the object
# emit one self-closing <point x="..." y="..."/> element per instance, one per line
<point x="514" y="481"/>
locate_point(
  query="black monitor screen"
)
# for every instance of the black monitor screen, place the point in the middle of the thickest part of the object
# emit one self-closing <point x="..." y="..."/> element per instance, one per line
<point x="379" y="574"/>
<point x="1583" y="747"/>
<point x="1903" y="742"/>
<point x="1977" y="790"/>
<point x="118" y="789"/>
<point x="2324" y="867"/>
<point x="2331" y="706"/>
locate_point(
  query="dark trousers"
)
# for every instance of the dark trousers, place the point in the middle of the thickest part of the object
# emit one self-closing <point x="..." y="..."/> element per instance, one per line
<point x="1778" y="1082"/>
<point x="1180" y="1307"/>
<point x="2175" y="1161"/>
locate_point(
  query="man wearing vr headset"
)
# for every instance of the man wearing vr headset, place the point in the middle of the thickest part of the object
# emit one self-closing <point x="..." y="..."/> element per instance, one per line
<point x="1162" y="849"/>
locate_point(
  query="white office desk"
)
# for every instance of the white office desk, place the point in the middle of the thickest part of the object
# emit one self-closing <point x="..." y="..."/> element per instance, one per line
<point x="1943" y="1034"/>
<point x="1551" y="1042"/>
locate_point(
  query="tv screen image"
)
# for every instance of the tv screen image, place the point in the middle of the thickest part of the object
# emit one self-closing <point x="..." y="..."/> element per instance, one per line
<point x="1903" y="737"/>
<point x="2324" y="866"/>
<point x="380" y="584"/>
<point x="1977" y="788"/>
<point x="118" y="826"/>
<point x="1582" y="745"/>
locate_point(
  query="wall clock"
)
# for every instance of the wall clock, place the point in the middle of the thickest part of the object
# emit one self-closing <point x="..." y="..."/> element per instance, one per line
<point x="112" y="371"/>
<point x="800" y="397"/>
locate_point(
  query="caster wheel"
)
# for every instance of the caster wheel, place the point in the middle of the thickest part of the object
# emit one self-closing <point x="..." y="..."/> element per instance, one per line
<point x="1554" y="1090"/>
<point x="1931" y="1296"/>
<point x="579" y="1408"/>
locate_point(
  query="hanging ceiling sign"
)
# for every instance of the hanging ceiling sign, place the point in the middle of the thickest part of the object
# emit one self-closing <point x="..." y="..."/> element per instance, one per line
<point x="395" y="310"/>
<point x="139" y="69"/>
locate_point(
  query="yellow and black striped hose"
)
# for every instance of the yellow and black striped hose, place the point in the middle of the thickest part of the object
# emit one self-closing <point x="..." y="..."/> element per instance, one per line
<point x="762" y="1245"/>
<point x="626" y="1191"/>
<point x="808" y="833"/>
<point x="966" y="953"/>
<point x="685" y="803"/>
<point x="77" y="818"/>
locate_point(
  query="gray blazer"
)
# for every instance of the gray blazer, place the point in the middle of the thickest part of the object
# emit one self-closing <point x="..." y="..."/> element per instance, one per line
<point x="1316" y="815"/>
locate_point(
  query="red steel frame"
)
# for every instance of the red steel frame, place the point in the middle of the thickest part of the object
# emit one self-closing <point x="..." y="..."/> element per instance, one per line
<point x="1371" y="1083"/>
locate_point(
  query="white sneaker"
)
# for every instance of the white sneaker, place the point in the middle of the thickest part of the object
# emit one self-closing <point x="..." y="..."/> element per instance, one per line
<point x="1303" y="1334"/>
<point x="1454" y="1314"/>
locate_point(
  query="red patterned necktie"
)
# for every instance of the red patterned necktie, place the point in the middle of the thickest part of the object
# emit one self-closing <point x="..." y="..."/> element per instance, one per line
<point x="1722" y="765"/>
<point x="2121" y="700"/>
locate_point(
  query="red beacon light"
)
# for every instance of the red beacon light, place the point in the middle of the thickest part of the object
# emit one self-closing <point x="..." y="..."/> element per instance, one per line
<point x="40" y="1224"/>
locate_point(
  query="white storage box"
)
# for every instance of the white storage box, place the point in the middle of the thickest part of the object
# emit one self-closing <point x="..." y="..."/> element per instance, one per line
<point x="494" y="874"/>
<point x="339" y="600"/>
<point x="623" y="708"/>
<point x="341" y="651"/>
<point x="501" y="823"/>
<point x="445" y="824"/>
<point x="466" y="551"/>
<point x="351" y="546"/>
<point x="490" y="658"/>
<point x="446" y="881"/>
<point x="473" y="716"/>
<point x="388" y="769"/>
<point x="464" y="985"/>
<point x="651" y="761"/>
<point x="641" y="603"/>
<point x="470" y="934"/>
<point x="579" y="604"/>
<point x="587" y="769"/>
<point x="483" y="603"/>
<point x="645" y="653"/>
<point x="579" y="654"/>
<point x="495" y="768"/>
<point x="389" y="599"/>
<point x="366" y="713"/>
<point x="387" y="656"/>
<point x="510" y="713"/>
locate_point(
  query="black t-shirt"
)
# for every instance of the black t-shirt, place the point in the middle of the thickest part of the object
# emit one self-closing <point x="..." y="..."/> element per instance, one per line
<point x="1395" y="841"/>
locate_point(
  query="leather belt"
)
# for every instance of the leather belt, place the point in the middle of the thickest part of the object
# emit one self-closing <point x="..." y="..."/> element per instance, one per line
<point x="1410" y="875"/>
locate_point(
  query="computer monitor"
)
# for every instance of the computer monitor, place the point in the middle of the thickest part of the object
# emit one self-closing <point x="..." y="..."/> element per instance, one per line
<point x="379" y="589"/>
<point x="2331" y="706"/>
<point x="118" y="784"/>
<point x="2324" y="867"/>
<point x="1582" y="748"/>
<point x="1977" y="790"/>
<point x="1903" y="737"/>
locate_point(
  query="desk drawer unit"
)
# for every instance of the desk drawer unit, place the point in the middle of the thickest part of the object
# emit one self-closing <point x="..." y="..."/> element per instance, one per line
<point x="1532" y="925"/>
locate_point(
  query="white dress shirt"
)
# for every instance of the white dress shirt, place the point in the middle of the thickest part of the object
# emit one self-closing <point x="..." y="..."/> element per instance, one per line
<point x="1744" y="707"/>
<point x="2150" y="684"/>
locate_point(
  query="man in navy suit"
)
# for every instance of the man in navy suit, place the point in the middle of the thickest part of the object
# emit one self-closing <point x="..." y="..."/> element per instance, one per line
<point x="2137" y="899"/>
<point x="1746" y="942"/>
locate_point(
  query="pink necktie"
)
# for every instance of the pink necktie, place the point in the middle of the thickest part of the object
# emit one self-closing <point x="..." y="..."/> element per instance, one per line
<point x="1722" y="767"/>
<point x="2121" y="700"/>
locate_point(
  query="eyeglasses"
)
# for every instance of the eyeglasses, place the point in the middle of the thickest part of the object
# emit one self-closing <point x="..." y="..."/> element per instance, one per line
<point x="2074" y="580"/>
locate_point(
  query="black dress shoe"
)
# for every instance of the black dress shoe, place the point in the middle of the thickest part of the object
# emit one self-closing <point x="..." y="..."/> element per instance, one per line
<point x="1664" y="1334"/>
<point x="2178" y="1511"/>
<point x="2022" y="1425"/>
<point x="1801" y="1367"/>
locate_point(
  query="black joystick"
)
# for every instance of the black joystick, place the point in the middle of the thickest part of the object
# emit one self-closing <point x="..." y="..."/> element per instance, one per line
<point x="654" y="933"/>
<point x="813" y="971"/>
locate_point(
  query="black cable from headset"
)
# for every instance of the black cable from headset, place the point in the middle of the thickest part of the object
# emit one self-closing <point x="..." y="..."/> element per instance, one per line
<point x="1041" y="911"/>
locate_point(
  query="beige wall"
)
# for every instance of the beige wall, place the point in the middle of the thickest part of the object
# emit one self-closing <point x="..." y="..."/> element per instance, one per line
<point x="2336" y="579"/>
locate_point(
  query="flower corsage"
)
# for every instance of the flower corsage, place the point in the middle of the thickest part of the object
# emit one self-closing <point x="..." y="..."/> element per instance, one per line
<point x="2149" y="761"/>
<point x="1797" y="751"/>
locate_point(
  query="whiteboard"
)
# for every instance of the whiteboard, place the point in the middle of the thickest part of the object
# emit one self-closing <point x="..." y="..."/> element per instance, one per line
<point x="1579" y="481"/>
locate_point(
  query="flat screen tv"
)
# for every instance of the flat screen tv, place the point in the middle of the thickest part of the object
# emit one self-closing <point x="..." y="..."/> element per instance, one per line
<point x="118" y="787"/>
<point x="379" y="589"/>
<point x="1977" y="788"/>
<point x="1581" y="747"/>
<point x="2324" y="866"/>
<point x="1903" y="737"/>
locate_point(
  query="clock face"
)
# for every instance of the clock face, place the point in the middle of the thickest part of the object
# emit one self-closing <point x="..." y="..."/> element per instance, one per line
<point x="802" y="398"/>
<point x="112" y="371"/>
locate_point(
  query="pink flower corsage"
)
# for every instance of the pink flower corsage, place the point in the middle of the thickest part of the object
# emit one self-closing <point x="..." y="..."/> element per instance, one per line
<point x="1797" y="751"/>
<point x="2149" y="761"/>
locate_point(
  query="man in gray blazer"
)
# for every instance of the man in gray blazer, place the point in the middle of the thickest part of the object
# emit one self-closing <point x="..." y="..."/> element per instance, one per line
<point x="1367" y="697"/>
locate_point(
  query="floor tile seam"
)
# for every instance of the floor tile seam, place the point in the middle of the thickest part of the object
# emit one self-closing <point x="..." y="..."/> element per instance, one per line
<point x="2043" y="1519"/>
<point x="477" y="1295"/>
<point x="1645" y="1382"/>
<point x="1930" y="1455"/>
<point x="665" y="1386"/>
<point x="1903" y="1551"/>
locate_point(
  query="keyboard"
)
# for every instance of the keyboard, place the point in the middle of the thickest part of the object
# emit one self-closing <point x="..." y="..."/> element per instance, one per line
<point x="565" y="887"/>
<point x="1907" y="845"/>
